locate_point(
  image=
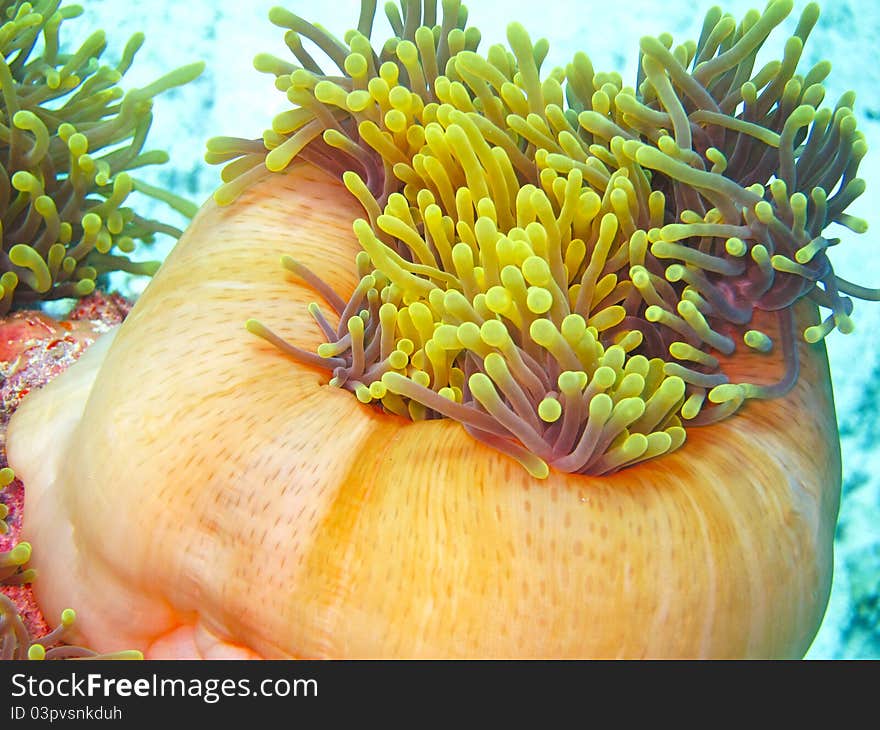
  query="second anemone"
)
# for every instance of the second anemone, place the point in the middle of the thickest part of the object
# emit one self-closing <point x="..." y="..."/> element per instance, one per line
<point x="70" y="139"/>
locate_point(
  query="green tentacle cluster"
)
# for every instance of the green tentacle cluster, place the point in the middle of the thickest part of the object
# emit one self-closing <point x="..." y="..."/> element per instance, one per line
<point x="559" y="261"/>
<point x="69" y="136"/>
<point x="16" y="642"/>
<point x="6" y="477"/>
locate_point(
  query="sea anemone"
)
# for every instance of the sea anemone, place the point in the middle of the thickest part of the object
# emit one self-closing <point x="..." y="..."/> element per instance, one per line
<point x="70" y="136"/>
<point x="573" y="397"/>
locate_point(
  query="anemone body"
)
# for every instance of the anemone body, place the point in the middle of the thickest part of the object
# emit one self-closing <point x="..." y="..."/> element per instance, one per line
<point x="194" y="493"/>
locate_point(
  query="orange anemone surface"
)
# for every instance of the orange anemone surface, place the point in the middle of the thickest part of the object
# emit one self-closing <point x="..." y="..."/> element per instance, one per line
<point x="193" y="492"/>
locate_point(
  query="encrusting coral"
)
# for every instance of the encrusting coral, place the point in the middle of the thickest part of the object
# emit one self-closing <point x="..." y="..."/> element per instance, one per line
<point x="69" y="138"/>
<point x="572" y="269"/>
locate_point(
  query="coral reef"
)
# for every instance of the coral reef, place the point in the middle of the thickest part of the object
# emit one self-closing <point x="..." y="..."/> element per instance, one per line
<point x="71" y="139"/>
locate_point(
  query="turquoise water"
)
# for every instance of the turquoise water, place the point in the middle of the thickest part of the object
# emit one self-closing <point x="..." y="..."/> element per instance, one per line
<point x="231" y="98"/>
